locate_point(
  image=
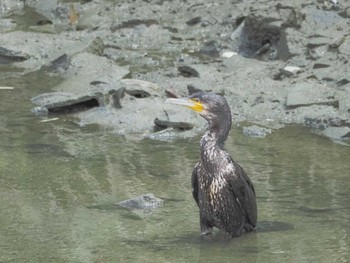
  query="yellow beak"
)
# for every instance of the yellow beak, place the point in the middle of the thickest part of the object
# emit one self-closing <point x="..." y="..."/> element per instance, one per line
<point x="190" y="103"/>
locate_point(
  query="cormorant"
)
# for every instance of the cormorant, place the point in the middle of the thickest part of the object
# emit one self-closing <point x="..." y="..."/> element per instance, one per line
<point x="221" y="188"/>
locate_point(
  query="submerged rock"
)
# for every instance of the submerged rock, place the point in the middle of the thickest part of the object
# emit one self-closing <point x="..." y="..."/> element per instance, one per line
<point x="146" y="201"/>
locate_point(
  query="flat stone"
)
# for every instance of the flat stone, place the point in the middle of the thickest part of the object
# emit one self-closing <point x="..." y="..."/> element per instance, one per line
<point x="65" y="103"/>
<point x="307" y="94"/>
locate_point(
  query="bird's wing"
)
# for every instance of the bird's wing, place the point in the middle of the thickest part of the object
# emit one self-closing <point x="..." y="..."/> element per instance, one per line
<point x="243" y="191"/>
<point x="195" y="183"/>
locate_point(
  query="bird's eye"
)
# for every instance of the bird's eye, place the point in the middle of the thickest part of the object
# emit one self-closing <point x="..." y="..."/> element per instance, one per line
<point x="196" y="100"/>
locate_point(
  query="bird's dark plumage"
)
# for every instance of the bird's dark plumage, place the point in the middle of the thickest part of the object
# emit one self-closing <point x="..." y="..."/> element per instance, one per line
<point x="221" y="188"/>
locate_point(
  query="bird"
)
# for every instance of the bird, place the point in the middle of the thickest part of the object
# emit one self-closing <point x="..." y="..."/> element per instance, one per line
<point x="224" y="193"/>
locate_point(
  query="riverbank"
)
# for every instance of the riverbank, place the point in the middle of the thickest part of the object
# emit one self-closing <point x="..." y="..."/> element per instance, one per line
<point x="276" y="63"/>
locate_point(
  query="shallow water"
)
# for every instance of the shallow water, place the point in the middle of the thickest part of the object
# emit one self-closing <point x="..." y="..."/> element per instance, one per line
<point x="59" y="183"/>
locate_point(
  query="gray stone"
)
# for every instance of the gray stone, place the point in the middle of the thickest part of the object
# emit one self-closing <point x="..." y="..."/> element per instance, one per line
<point x="307" y="94"/>
<point x="58" y="104"/>
<point x="337" y="133"/>
<point x="10" y="56"/>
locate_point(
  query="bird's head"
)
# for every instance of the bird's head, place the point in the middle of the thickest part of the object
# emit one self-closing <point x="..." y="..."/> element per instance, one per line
<point x="209" y="105"/>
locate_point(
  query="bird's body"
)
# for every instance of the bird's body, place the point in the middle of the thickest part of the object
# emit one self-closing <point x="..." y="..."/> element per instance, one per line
<point x="221" y="188"/>
<point x="223" y="192"/>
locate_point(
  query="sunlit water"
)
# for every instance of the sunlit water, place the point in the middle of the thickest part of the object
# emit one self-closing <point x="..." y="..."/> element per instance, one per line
<point x="59" y="183"/>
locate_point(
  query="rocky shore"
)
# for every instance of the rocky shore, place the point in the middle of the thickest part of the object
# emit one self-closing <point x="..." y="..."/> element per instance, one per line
<point x="276" y="62"/>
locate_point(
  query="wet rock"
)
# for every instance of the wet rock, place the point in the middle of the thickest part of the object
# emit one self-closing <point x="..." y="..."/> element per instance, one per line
<point x="146" y="201"/>
<point x="8" y="56"/>
<point x="256" y="131"/>
<point x="307" y="94"/>
<point x="65" y="103"/>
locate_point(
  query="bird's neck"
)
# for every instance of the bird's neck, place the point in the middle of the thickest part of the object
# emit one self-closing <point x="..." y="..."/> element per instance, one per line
<point x="217" y="131"/>
<point x="212" y="143"/>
